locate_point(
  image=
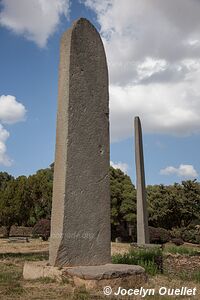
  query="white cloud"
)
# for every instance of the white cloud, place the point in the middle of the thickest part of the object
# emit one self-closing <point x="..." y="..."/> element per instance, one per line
<point x="170" y="108"/>
<point x="182" y="171"/>
<point x="153" y="53"/>
<point x="11" y="111"/>
<point x="35" y="19"/>
<point x="4" y="159"/>
<point x="119" y="165"/>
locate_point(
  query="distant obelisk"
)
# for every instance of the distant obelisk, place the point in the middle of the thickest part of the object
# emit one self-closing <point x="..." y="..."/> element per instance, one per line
<point x="142" y="213"/>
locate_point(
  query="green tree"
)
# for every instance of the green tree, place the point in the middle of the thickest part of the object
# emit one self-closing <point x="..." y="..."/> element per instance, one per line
<point x="123" y="203"/>
<point x="23" y="198"/>
<point x="9" y="206"/>
<point x="175" y="205"/>
<point x="164" y="206"/>
<point x="190" y="210"/>
<point x="41" y="185"/>
<point x="4" y="179"/>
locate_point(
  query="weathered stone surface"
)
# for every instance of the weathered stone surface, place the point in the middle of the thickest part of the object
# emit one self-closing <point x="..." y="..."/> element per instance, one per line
<point x="40" y="269"/>
<point x="80" y="224"/>
<point x="127" y="282"/>
<point x="98" y="277"/>
<point x="142" y="214"/>
<point x="107" y="271"/>
<point x="92" y="277"/>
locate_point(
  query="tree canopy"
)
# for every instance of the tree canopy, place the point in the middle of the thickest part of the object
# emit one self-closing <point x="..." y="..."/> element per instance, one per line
<point x="26" y="200"/>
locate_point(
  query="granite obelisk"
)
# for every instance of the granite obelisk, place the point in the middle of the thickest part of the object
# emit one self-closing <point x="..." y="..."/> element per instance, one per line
<point x="80" y="223"/>
<point x="142" y="213"/>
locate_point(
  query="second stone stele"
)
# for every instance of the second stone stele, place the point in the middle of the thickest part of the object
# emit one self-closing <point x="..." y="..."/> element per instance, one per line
<point x="142" y="212"/>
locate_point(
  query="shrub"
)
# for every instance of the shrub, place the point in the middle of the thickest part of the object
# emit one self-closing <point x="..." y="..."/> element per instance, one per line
<point x="42" y="229"/>
<point x="21" y="231"/>
<point x="191" y="236"/>
<point x="177" y="241"/>
<point x="188" y="234"/>
<point x="159" y="235"/>
<point x="149" y="259"/>
<point x="176" y="233"/>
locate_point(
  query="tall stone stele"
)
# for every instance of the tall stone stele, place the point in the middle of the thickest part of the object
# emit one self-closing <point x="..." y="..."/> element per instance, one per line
<point x="80" y="223"/>
<point x="142" y="213"/>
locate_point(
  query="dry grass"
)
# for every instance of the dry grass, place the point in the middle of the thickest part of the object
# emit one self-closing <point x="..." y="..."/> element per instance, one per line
<point x="119" y="248"/>
<point x="35" y="245"/>
<point x="12" y="285"/>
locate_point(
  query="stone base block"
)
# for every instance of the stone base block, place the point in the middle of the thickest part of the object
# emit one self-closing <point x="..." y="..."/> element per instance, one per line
<point x="40" y="269"/>
<point x="113" y="275"/>
<point x="92" y="277"/>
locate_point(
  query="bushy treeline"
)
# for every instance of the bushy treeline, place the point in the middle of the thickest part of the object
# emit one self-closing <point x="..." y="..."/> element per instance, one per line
<point x="25" y="200"/>
<point x="175" y="208"/>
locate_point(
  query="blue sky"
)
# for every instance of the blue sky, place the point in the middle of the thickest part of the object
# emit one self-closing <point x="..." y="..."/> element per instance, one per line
<point x="153" y="54"/>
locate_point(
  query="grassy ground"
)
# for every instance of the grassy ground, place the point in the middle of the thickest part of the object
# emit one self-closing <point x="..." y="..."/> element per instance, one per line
<point x="12" y="285"/>
<point x="35" y="245"/>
